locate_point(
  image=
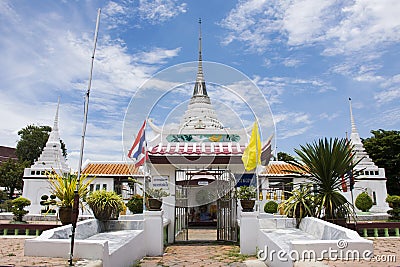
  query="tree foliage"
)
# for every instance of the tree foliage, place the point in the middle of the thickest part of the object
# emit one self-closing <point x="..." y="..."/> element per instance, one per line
<point x="282" y="156"/>
<point x="32" y="141"/>
<point x="11" y="175"/>
<point x="384" y="149"/>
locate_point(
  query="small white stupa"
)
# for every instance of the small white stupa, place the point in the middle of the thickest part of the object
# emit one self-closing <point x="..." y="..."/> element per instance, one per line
<point x="35" y="180"/>
<point x="372" y="179"/>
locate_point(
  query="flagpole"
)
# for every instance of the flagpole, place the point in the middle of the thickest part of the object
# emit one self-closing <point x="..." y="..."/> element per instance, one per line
<point x="75" y="211"/>
<point x="257" y="163"/>
<point x="145" y="173"/>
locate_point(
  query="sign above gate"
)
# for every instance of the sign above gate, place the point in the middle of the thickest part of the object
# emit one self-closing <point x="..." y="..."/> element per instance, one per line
<point x="245" y="179"/>
<point x="160" y="182"/>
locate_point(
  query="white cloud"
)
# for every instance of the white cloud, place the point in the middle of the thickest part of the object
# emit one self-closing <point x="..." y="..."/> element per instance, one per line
<point x="341" y="27"/>
<point x="150" y="11"/>
<point x="274" y="87"/>
<point x="291" y="62"/>
<point x="157" y="11"/>
<point x="365" y="24"/>
<point x="387" y="95"/>
<point x="329" y="117"/>
<point x="43" y="58"/>
<point x="384" y="119"/>
<point x="305" y="21"/>
<point x="114" y="14"/>
<point x="362" y="69"/>
<point x="252" y="21"/>
<point x="157" y="55"/>
<point x="290" y="124"/>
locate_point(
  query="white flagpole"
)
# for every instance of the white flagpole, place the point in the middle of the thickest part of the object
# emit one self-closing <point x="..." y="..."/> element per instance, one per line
<point x="146" y="171"/>
<point x="257" y="163"/>
<point x="76" y="196"/>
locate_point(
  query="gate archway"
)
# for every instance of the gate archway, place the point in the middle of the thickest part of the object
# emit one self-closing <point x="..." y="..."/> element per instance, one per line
<point x="205" y="199"/>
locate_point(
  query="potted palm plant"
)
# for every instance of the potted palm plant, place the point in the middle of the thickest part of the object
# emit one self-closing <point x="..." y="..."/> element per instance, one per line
<point x="247" y="195"/>
<point x="300" y="204"/>
<point x="154" y="198"/>
<point x="105" y="205"/>
<point x="63" y="187"/>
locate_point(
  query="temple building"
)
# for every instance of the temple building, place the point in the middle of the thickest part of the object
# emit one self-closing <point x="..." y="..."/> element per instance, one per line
<point x="371" y="178"/>
<point x="198" y="162"/>
<point x="52" y="159"/>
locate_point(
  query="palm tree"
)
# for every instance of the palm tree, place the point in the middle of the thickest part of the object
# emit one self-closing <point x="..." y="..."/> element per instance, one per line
<point x="327" y="161"/>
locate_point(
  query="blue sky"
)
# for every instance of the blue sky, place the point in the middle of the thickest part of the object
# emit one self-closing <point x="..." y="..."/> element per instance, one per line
<point x="307" y="57"/>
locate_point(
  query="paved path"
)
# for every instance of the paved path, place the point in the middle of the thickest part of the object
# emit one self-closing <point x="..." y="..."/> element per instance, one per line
<point x="210" y="254"/>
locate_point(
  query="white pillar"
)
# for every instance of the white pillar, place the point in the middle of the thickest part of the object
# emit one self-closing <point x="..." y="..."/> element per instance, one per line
<point x="153" y="229"/>
<point x="248" y="233"/>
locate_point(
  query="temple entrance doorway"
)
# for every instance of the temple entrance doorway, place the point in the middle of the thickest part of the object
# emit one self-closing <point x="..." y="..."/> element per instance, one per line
<point x="205" y="205"/>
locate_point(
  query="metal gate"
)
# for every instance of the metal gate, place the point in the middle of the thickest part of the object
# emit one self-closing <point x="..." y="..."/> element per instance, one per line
<point x="181" y="208"/>
<point x="227" y="210"/>
<point x="221" y="191"/>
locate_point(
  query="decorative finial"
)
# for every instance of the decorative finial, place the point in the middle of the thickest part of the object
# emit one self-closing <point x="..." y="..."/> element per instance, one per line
<point x="353" y="124"/>
<point x="200" y="86"/>
<point x="200" y="48"/>
<point x="55" y="127"/>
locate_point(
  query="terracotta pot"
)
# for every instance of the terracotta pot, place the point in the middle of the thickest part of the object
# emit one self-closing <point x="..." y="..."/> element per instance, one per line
<point x="247" y="205"/>
<point x="154" y="204"/>
<point x="102" y="214"/>
<point x="65" y="215"/>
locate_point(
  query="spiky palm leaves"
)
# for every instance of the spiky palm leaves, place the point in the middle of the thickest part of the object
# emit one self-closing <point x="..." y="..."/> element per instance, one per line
<point x="327" y="161"/>
<point x="64" y="186"/>
<point x="300" y="204"/>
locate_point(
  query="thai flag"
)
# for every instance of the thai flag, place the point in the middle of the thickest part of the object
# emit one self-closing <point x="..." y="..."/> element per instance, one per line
<point x="266" y="152"/>
<point x="138" y="151"/>
<point x="344" y="184"/>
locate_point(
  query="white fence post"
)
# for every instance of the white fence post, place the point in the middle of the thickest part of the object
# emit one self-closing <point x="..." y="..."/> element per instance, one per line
<point x="153" y="229"/>
<point x="248" y="233"/>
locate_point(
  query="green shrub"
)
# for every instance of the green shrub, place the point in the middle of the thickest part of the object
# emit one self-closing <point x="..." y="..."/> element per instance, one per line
<point x="393" y="200"/>
<point x="271" y="207"/>
<point x="18" y="208"/>
<point x="135" y="204"/>
<point x="6" y="206"/>
<point x="157" y="193"/>
<point x="394" y="203"/>
<point x="364" y="202"/>
<point x="246" y="192"/>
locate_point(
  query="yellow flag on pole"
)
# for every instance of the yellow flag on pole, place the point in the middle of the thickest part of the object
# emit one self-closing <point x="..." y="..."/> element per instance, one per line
<point x="252" y="153"/>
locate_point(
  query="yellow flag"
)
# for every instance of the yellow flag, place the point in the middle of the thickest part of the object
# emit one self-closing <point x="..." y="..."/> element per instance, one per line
<point x="252" y="153"/>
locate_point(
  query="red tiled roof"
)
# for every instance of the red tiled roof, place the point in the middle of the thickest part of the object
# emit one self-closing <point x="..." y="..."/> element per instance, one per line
<point x="7" y="153"/>
<point x="111" y="169"/>
<point x="125" y="169"/>
<point x="281" y="169"/>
